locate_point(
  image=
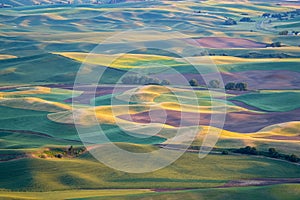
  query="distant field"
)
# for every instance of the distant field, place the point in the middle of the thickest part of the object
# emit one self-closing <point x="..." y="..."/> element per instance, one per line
<point x="290" y="66"/>
<point x="274" y="102"/>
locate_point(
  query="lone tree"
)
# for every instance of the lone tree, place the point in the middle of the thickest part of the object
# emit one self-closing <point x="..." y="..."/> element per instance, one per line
<point x="143" y="80"/>
<point x="246" y="19"/>
<point x="59" y="155"/>
<point x="230" y="86"/>
<point x="275" y="44"/>
<point x="154" y="81"/>
<point x="214" y="84"/>
<point x="131" y="79"/>
<point x="71" y="150"/>
<point x="230" y="21"/>
<point x="194" y="82"/>
<point x="283" y="32"/>
<point x="241" y="86"/>
<point x="165" y="82"/>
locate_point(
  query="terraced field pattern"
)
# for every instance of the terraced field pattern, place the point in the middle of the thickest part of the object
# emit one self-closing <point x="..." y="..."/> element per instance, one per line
<point x="46" y="45"/>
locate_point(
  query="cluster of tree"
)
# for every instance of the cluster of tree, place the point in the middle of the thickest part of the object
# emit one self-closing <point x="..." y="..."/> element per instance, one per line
<point x="274" y="44"/>
<point x="246" y="19"/>
<point x="283" y="15"/>
<point x="63" y="152"/>
<point x="221" y="54"/>
<point x="272" y="153"/>
<point x="75" y="152"/>
<point x="216" y="84"/>
<point x="236" y="86"/>
<point x="275" y="154"/>
<point x="285" y="32"/>
<point x="211" y="84"/>
<point x="247" y="150"/>
<point x="292" y="158"/>
<point x="230" y="21"/>
<point x="143" y="80"/>
<point x="262" y="55"/>
<point x="256" y="55"/>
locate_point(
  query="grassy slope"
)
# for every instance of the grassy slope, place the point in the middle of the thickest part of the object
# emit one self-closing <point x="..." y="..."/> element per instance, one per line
<point x="66" y="174"/>
<point x="248" y="193"/>
<point x="41" y="68"/>
<point x="38" y="122"/>
<point x="214" y="170"/>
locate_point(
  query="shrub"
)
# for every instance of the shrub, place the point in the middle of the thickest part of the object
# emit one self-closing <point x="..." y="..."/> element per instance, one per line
<point x="194" y="82"/>
<point x="43" y="156"/>
<point x="241" y="86"/>
<point x="165" y="82"/>
<point x="275" y="44"/>
<point x="59" y="155"/>
<point x="214" y="84"/>
<point x="246" y="19"/>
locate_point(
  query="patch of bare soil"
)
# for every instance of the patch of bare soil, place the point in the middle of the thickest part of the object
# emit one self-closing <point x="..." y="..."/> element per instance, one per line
<point x="261" y="182"/>
<point x="226" y="42"/>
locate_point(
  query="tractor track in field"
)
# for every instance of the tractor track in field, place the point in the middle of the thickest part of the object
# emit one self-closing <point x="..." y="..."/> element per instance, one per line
<point x="260" y="182"/>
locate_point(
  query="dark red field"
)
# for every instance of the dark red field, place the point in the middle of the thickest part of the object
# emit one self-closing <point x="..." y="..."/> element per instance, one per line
<point x="243" y="122"/>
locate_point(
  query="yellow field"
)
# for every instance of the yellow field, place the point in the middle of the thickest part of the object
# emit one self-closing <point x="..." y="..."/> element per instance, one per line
<point x="288" y="129"/>
<point x="222" y="60"/>
<point x="129" y="60"/>
<point x="32" y="103"/>
<point x="5" y="56"/>
<point x="27" y="91"/>
<point x="116" y="61"/>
